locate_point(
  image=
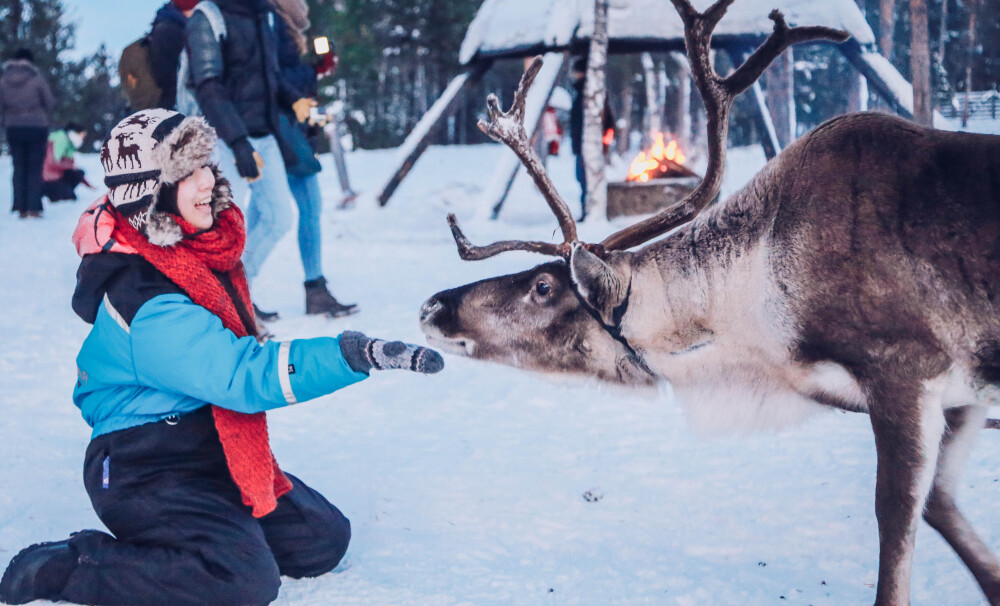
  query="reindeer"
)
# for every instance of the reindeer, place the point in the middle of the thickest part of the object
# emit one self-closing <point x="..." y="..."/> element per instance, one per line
<point x="140" y="120"/>
<point x="129" y="154"/>
<point x="106" y="158"/>
<point x="858" y="270"/>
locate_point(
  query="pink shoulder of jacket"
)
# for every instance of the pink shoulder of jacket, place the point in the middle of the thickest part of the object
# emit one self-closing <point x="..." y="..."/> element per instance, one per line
<point x="93" y="233"/>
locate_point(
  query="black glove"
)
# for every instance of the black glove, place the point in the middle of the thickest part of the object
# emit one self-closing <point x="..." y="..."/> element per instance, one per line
<point x="246" y="164"/>
<point x="363" y="354"/>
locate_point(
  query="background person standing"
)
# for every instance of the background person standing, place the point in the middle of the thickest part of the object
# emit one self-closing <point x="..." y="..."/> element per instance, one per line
<point x="302" y="179"/>
<point x="241" y="91"/>
<point x="166" y="41"/>
<point x="26" y="105"/>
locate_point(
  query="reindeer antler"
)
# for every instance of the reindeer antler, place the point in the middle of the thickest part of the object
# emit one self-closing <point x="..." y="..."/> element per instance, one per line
<point x="508" y="128"/>
<point x="718" y="95"/>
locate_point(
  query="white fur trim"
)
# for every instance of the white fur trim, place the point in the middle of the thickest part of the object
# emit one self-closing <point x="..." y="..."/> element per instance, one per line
<point x="184" y="150"/>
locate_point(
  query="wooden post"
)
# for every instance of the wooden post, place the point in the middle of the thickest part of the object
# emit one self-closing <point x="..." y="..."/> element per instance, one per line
<point x="682" y="101"/>
<point x="419" y="138"/>
<point x="920" y="63"/>
<point x="886" y="26"/>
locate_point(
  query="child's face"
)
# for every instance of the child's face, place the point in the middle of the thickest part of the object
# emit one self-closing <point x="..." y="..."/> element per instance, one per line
<point x="194" y="198"/>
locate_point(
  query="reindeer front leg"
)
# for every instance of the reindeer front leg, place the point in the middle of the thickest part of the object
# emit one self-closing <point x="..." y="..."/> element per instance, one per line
<point x="908" y="424"/>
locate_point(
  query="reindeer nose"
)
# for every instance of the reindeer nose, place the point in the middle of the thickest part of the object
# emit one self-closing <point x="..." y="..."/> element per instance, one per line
<point x="429" y="308"/>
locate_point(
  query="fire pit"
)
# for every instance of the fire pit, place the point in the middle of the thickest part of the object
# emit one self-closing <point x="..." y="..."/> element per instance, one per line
<point x="657" y="178"/>
<point x="646" y="197"/>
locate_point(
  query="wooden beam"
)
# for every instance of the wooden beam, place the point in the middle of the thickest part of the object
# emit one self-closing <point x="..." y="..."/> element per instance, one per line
<point x="883" y="76"/>
<point x="419" y="138"/>
<point x="761" y="115"/>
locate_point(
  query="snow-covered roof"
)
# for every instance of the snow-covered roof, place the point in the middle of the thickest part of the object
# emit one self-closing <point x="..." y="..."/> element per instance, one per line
<point x="523" y="27"/>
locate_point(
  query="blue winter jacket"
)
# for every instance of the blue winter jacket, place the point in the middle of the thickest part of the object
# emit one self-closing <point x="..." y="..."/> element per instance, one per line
<point x="154" y="353"/>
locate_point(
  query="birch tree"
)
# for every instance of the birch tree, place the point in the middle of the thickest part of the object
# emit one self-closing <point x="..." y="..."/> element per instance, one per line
<point x="595" y="96"/>
<point x="682" y="101"/>
<point x="886" y="26"/>
<point x="654" y="108"/>
<point x="973" y="6"/>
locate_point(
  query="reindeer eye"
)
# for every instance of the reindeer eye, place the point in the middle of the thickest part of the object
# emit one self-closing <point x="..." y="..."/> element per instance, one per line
<point x="543" y="288"/>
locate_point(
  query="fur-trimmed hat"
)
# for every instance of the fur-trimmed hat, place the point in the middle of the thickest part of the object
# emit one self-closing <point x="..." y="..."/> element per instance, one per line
<point x="148" y="150"/>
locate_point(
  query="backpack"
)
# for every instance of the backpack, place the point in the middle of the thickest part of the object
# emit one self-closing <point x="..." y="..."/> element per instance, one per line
<point x="187" y="104"/>
<point x="136" y="73"/>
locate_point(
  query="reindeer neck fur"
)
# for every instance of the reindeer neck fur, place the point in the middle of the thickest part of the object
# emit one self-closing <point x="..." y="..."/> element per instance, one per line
<point x="713" y="322"/>
<point x="788" y="290"/>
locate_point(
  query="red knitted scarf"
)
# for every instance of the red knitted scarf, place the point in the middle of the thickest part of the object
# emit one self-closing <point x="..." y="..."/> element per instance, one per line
<point x="190" y="265"/>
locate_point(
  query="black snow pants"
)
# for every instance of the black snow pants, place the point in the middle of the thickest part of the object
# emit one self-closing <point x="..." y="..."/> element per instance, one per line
<point x="63" y="188"/>
<point x="27" y="153"/>
<point x="181" y="533"/>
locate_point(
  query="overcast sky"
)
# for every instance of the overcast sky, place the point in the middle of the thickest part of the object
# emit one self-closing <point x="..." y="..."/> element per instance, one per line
<point x="116" y="23"/>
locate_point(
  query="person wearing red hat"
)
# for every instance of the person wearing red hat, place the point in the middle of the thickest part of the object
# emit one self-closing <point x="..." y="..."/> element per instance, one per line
<point x="166" y="40"/>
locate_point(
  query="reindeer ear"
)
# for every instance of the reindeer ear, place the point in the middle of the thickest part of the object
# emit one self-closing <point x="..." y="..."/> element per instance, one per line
<point x="602" y="286"/>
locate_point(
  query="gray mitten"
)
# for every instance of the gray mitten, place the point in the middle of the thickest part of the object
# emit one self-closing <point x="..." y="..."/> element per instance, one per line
<point x="363" y="354"/>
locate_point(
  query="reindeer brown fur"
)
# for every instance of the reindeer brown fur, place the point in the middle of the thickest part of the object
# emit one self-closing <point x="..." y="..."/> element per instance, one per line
<point x="857" y="270"/>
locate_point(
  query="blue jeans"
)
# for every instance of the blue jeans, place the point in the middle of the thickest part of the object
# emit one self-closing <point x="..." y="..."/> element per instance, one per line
<point x="310" y="202"/>
<point x="269" y="210"/>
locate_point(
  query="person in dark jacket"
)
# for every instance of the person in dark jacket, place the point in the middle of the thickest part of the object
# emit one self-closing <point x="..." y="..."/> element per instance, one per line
<point x="302" y="179"/>
<point x="199" y="510"/>
<point x="166" y="41"/>
<point x="579" y="74"/>
<point x="241" y="91"/>
<point x="26" y="105"/>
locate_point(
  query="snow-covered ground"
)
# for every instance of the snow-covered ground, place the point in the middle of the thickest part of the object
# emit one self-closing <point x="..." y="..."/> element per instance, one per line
<point x="468" y="487"/>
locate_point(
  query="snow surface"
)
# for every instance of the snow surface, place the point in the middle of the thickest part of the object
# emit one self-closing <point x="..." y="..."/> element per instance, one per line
<point x="985" y="126"/>
<point x="504" y="25"/>
<point x="467" y="487"/>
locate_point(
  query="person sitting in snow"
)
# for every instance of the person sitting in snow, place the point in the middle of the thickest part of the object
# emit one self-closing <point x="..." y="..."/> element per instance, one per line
<point x="60" y="174"/>
<point x="175" y="386"/>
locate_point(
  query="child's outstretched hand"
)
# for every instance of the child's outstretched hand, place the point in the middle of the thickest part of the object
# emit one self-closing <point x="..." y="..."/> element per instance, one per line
<point x="363" y="354"/>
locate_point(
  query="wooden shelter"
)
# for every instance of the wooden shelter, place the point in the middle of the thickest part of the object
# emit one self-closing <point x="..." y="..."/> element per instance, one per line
<point x="504" y="29"/>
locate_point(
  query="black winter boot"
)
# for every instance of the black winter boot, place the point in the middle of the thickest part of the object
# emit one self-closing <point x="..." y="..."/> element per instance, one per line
<point x="39" y="572"/>
<point x="320" y="301"/>
<point x="264" y="316"/>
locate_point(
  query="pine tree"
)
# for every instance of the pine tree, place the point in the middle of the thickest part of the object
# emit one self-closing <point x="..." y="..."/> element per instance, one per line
<point x="83" y="89"/>
<point x="396" y="56"/>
